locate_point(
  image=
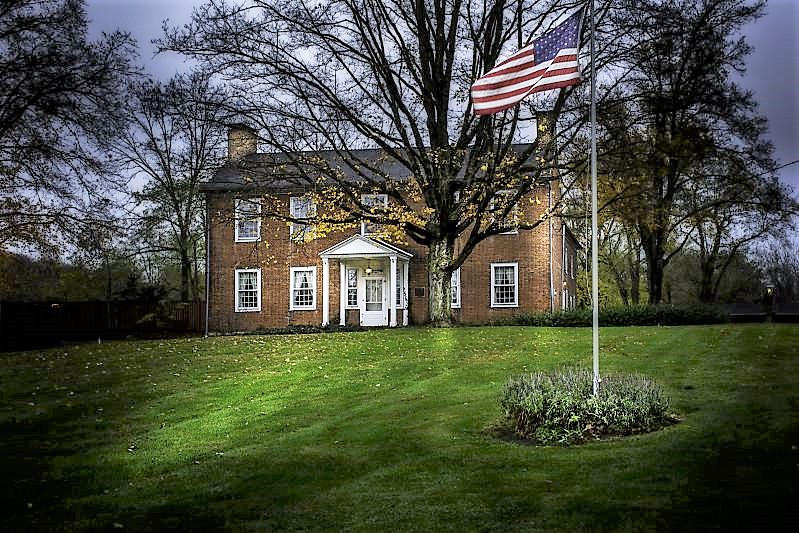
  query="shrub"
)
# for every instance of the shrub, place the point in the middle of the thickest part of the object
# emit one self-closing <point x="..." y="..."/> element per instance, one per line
<point x="633" y="315"/>
<point x="559" y="407"/>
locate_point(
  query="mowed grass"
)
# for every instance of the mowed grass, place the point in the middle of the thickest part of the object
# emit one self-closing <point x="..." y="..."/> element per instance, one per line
<point x="390" y="430"/>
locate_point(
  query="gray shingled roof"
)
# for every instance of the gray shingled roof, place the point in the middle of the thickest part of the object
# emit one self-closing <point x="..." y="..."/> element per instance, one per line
<point x="259" y="171"/>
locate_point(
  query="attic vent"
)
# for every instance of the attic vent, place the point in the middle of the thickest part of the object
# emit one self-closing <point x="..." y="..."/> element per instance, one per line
<point x="418" y="292"/>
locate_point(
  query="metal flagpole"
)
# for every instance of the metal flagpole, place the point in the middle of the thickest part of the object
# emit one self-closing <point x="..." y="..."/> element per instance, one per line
<point x="594" y="239"/>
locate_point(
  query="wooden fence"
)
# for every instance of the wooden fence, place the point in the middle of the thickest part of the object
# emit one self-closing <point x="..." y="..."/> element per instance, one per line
<point x="31" y="324"/>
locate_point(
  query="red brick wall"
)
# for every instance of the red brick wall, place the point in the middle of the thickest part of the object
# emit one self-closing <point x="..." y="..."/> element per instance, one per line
<point x="275" y="254"/>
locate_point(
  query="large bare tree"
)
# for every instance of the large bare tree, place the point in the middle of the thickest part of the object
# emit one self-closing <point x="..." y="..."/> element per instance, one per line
<point x="59" y="94"/>
<point x="393" y="75"/>
<point x="174" y="142"/>
<point x="684" y="138"/>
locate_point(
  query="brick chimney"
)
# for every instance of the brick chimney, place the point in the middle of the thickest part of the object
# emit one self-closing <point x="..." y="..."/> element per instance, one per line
<point x="242" y="141"/>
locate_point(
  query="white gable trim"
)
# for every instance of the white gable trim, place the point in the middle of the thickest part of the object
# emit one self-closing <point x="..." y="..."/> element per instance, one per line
<point x="366" y="247"/>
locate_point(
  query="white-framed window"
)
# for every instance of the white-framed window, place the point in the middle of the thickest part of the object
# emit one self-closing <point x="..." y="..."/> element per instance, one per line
<point x="248" y="220"/>
<point x="400" y="295"/>
<point x="372" y="200"/>
<point x="352" y="288"/>
<point x="455" y="286"/>
<point x="248" y="289"/>
<point x="512" y="220"/>
<point x="301" y="207"/>
<point x="504" y="284"/>
<point x="303" y="289"/>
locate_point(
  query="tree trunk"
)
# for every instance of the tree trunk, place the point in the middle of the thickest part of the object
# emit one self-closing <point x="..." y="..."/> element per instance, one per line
<point x="655" y="279"/>
<point x="185" y="272"/>
<point x="655" y="265"/>
<point x="652" y="243"/>
<point x="621" y="284"/>
<point x="439" y="257"/>
<point x="706" y="293"/>
<point x="635" y="277"/>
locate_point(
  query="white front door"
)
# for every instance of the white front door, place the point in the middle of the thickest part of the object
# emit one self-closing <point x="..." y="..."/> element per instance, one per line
<point x="374" y="308"/>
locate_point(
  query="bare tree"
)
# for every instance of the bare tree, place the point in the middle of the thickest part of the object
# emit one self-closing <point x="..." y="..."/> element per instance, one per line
<point x="174" y="142"/>
<point x="779" y="262"/>
<point x="395" y="76"/>
<point x="729" y="216"/>
<point x="59" y="95"/>
<point x="685" y="118"/>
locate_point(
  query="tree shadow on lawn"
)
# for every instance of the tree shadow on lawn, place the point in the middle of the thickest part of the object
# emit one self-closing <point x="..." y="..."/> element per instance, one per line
<point x="412" y="457"/>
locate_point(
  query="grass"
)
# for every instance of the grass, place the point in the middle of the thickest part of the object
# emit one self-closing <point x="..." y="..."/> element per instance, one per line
<point x="387" y="430"/>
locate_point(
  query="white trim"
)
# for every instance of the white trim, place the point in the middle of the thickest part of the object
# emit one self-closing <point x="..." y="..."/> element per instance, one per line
<point x="365" y="248"/>
<point x="456" y="274"/>
<point x="402" y="285"/>
<point x="238" y="218"/>
<point x="342" y="293"/>
<point x="347" y="288"/>
<point x="515" y="286"/>
<point x="311" y="307"/>
<point x="236" y="307"/>
<point x="385" y="204"/>
<point x="325" y="291"/>
<point x="405" y="275"/>
<point x="392" y="292"/>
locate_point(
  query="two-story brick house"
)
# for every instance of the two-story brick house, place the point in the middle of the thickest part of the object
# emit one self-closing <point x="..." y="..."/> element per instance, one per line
<point x="262" y="276"/>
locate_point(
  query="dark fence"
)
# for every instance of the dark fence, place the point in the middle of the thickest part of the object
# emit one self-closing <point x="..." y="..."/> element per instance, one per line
<point x="32" y="324"/>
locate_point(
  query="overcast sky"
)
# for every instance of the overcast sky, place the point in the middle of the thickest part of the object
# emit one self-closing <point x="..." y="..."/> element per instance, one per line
<point x="773" y="67"/>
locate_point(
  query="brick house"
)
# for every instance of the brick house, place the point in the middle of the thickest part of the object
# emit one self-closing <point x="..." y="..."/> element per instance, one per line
<point x="261" y="276"/>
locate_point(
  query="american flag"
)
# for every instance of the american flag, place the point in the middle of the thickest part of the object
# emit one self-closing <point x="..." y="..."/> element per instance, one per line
<point x="549" y="62"/>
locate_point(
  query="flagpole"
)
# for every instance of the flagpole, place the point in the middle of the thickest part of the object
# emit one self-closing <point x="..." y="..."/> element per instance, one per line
<point x="594" y="238"/>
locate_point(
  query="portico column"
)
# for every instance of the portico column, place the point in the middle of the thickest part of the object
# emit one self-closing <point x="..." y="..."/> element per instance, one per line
<point x="392" y="292"/>
<point x="405" y="312"/>
<point x="342" y="291"/>
<point x="325" y="292"/>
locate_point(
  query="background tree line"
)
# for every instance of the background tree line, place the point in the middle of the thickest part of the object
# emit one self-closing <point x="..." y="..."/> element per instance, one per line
<point x="99" y="165"/>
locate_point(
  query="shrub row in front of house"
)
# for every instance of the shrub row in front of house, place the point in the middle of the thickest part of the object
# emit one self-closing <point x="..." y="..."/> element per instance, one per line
<point x="559" y="407"/>
<point x="634" y="315"/>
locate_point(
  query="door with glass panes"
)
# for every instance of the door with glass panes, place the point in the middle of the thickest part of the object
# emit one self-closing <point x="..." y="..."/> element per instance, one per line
<point x="374" y="308"/>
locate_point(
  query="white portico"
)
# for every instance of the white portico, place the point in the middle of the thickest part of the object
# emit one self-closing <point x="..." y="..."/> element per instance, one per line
<point x="373" y="279"/>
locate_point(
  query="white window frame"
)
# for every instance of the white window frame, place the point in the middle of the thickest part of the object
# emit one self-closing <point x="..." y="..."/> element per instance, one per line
<point x="401" y="292"/>
<point x="348" y="288"/>
<point x="297" y="229"/>
<point x="237" y="290"/>
<point x="456" y="292"/>
<point x="514" y="212"/>
<point x="515" y="302"/>
<point x="364" y="223"/>
<point x="239" y="218"/>
<point x="292" y="288"/>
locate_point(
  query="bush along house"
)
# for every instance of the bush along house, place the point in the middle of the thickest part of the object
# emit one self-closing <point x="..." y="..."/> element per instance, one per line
<point x="289" y="269"/>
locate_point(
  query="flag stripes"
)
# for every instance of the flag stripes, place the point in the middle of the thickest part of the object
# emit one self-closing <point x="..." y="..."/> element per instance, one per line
<point x="520" y="75"/>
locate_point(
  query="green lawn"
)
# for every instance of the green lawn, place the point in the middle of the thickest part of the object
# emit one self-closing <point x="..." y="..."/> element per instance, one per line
<point x="387" y="430"/>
